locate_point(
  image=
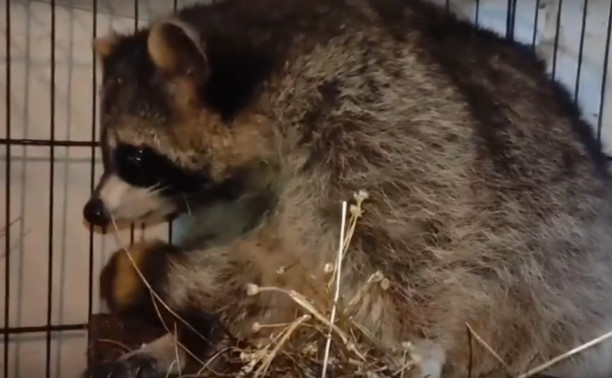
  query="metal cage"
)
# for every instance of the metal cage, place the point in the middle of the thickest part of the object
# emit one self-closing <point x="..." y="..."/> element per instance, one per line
<point x="50" y="159"/>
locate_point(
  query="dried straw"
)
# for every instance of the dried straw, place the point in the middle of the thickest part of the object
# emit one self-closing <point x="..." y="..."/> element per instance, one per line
<point x="293" y="351"/>
<point x="350" y="350"/>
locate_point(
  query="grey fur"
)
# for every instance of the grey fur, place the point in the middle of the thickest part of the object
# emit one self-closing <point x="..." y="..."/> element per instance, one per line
<point x="489" y="201"/>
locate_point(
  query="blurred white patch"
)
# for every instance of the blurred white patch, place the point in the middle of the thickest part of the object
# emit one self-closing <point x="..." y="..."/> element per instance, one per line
<point x="131" y="203"/>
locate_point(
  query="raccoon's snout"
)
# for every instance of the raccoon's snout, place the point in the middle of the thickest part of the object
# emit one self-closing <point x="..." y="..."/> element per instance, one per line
<point x="95" y="212"/>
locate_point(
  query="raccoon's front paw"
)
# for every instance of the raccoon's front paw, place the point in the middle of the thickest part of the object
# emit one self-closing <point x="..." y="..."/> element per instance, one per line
<point x="133" y="365"/>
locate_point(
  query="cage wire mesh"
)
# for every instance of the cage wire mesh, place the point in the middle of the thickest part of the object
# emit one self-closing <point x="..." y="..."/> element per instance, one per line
<point x="50" y="160"/>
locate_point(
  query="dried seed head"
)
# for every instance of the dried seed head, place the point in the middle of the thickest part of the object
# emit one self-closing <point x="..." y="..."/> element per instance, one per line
<point x="378" y="276"/>
<point x="329" y="267"/>
<point x="310" y="349"/>
<point x="361" y="196"/>
<point x="244" y="356"/>
<point x="252" y="289"/>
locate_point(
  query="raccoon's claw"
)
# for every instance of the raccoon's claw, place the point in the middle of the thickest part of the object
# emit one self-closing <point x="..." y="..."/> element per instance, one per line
<point x="137" y="365"/>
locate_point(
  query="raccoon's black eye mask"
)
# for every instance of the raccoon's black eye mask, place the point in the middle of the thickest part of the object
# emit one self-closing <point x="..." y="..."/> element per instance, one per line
<point x="143" y="167"/>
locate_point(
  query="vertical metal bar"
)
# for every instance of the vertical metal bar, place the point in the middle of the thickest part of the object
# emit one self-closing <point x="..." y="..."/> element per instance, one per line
<point x="51" y="193"/>
<point x="604" y="79"/>
<point x="94" y="92"/>
<point x="536" y="17"/>
<point x="477" y="12"/>
<point x="556" y="46"/>
<point x="581" y="49"/>
<point x="135" y="28"/>
<point x="7" y="237"/>
<point x="508" y="16"/>
<point x="510" y="19"/>
<point x="514" y="5"/>
<point x="174" y="8"/>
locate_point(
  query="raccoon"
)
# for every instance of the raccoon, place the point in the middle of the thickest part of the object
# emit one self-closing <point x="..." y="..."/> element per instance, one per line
<point x="489" y="197"/>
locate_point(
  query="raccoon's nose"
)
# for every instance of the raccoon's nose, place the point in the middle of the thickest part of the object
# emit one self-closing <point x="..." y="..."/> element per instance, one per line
<point x="95" y="213"/>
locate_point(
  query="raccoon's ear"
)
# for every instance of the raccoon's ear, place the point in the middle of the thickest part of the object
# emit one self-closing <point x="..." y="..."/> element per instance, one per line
<point x="178" y="49"/>
<point x="104" y="46"/>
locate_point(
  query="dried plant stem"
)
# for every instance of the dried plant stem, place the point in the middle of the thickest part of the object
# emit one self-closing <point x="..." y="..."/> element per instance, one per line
<point x="176" y="353"/>
<point x="358" y="350"/>
<point x="405" y="363"/>
<point x="487" y="347"/>
<point x="337" y="293"/>
<point x="375" y="278"/>
<point x="306" y="305"/>
<point x="355" y="211"/>
<point x="286" y="334"/>
<point x="163" y="322"/>
<point x="210" y="361"/>
<point x="116" y="343"/>
<point x="567" y="355"/>
<point x="170" y="369"/>
<point x="154" y="294"/>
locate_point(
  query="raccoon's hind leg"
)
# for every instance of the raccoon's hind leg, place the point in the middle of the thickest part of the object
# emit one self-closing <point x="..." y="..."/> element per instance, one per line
<point x="189" y="286"/>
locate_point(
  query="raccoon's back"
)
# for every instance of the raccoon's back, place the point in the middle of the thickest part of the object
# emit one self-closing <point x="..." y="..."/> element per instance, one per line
<point x="440" y="81"/>
<point x="466" y="146"/>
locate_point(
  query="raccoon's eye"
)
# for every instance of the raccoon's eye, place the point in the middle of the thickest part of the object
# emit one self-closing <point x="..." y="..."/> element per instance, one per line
<point x="134" y="159"/>
<point x="134" y="166"/>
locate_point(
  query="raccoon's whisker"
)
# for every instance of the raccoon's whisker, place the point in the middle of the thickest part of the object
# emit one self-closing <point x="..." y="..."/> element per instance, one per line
<point x="187" y="204"/>
<point x="157" y="188"/>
